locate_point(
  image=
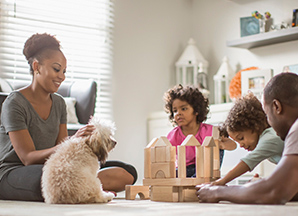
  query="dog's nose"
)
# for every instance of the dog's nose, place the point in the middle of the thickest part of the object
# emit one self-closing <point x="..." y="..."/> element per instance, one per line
<point x="114" y="142"/>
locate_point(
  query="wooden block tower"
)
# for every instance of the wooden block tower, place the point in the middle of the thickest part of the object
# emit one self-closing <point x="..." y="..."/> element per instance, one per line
<point x="160" y="169"/>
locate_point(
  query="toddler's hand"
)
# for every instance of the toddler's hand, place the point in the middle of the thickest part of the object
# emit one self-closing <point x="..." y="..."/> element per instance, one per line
<point x="218" y="182"/>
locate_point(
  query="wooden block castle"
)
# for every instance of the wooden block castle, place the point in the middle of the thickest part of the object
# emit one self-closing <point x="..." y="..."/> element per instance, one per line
<point x="160" y="182"/>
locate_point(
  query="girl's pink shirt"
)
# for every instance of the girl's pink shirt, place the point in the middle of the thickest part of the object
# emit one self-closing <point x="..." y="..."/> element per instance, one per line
<point x="176" y="137"/>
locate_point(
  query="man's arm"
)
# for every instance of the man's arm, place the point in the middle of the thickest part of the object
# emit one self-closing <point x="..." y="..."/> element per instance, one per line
<point x="280" y="187"/>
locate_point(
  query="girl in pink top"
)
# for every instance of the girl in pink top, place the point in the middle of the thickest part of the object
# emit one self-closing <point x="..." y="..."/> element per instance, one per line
<point x="188" y="109"/>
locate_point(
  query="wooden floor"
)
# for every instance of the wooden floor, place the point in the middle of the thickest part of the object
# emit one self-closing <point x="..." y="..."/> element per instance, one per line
<point x="120" y="206"/>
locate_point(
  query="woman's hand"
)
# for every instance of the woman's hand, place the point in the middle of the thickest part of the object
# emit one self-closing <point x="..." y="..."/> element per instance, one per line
<point x="85" y="131"/>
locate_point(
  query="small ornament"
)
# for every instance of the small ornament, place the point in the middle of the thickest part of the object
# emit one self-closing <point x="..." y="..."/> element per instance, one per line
<point x="257" y="15"/>
<point x="267" y="15"/>
<point x="262" y="20"/>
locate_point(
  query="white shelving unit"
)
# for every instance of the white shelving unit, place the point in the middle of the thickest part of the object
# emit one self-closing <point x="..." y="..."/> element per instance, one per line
<point x="264" y="39"/>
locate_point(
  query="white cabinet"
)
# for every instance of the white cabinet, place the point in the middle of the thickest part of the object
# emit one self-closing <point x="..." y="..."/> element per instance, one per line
<point x="159" y="125"/>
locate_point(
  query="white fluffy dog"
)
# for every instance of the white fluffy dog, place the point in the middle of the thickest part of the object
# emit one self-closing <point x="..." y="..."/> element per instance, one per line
<point x="70" y="174"/>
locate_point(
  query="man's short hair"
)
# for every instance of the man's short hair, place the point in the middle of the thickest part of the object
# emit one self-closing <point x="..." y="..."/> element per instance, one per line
<point x="283" y="87"/>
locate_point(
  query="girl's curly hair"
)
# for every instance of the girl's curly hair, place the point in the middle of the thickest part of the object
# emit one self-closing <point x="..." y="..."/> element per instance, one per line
<point x="247" y="114"/>
<point x="192" y="96"/>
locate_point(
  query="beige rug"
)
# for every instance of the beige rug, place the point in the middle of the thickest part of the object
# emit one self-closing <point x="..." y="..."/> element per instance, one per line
<point x="120" y="206"/>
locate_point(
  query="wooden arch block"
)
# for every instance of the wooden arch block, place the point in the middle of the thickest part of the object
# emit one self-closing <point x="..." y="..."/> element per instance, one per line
<point x="131" y="192"/>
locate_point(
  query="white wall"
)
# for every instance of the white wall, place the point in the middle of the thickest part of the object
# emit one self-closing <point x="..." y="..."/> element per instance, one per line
<point x="218" y="21"/>
<point x="149" y="37"/>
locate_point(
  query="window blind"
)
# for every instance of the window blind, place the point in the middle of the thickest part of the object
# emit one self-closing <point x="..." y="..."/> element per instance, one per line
<point x="84" y="29"/>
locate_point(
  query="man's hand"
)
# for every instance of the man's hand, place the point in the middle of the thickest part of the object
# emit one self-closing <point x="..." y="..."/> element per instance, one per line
<point x="207" y="193"/>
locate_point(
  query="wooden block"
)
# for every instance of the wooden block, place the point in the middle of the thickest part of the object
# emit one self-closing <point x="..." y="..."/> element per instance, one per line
<point x="208" y="141"/>
<point x="170" y="153"/>
<point x="147" y="163"/>
<point x="163" y="170"/>
<point x="190" y="140"/>
<point x="160" y="154"/>
<point x="162" y="182"/>
<point x="216" y="174"/>
<point x="181" y="162"/>
<point x="152" y="155"/>
<point x="152" y="143"/>
<point x="208" y="179"/>
<point x="132" y="190"/>
<point x="215" y="132"/>
<point x="199" y="162"/>
<point x="180" y="194"/>
<point x="208" y="162"/>
<point x="196" y="181"/>
<point x="187" y="194"/>
<point x="216" y="150"/>
<point x="163" y="154"/>
<point x="174" y="181"/>
<point x="216" y="155"/>
<point x="164" y="193"/>
<point x="163" y="141"/>
<point x="216" y="164"/>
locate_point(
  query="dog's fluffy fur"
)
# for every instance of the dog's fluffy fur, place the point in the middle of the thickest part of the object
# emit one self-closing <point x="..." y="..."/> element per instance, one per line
<point x="70" y="174"/>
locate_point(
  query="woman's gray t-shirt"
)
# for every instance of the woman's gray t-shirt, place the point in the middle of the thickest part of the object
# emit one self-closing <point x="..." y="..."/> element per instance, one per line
<point x="18" y="114"/>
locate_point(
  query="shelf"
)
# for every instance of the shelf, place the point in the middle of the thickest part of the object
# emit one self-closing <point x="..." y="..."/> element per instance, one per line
<point x="264" y="39"/>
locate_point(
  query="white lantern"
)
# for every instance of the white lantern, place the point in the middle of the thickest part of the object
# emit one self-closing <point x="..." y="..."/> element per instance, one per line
<point x="191" y="68"/>
<point x="222" y="81"/>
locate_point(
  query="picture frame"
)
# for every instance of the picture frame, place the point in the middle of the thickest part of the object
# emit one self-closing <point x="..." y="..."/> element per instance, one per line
<point x="249" y="26"/>
<point x="291" y="68"/>
<point x="295" y="18"/>
<point x="254" y="81"/>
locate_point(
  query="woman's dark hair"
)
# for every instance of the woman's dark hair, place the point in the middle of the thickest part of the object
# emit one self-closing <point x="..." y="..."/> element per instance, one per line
<point x="192" y="96"/>
<point x="246" y="114"/>
<point x="36" y="46"/>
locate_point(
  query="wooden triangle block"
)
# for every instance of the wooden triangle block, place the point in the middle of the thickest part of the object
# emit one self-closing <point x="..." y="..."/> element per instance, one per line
<point x="152" y="143"/>
<point x="190" y="140"/>
<point x="208" y="142"/>
<point x="163" y="141"/>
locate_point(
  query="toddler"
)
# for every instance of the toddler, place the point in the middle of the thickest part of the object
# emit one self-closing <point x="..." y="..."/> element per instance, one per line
<point x="188" y="109"/>
<point x="247" y="125"/>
